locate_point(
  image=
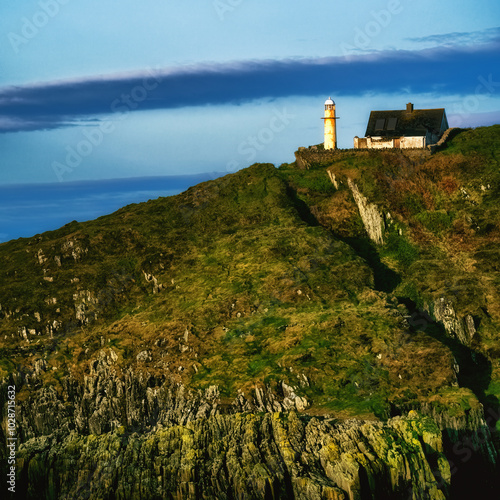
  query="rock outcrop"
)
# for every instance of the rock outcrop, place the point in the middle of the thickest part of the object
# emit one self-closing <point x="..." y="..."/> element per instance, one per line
<point x="144" y="436"/>
<point x="109" y="397"/>
<point x="369" y="212"/>
<point x="462" y="328"/>
<point x="246" y="457"/>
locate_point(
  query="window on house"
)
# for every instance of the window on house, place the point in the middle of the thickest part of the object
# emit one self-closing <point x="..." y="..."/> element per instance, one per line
<point x="379" y="124"/>
<point x="391" y="125"/>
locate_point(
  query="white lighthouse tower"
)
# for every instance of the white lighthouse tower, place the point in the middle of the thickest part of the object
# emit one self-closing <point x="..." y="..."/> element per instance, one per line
<point x="330" y="125"/>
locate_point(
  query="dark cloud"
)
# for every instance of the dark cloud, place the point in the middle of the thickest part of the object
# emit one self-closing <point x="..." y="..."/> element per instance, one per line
<point x="444" y="70"/>
<point x="469" y="37"/>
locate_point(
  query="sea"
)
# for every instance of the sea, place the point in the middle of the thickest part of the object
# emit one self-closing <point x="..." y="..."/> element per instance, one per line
<point x="30" y="209"/>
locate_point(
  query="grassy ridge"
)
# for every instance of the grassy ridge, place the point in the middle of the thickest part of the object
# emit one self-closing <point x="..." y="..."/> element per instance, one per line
<point x="442" y="226"/>
<point x="267" y="275"/>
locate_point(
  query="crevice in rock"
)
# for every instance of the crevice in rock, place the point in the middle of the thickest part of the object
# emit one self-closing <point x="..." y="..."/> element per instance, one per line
<point x="302" y="208"/>
<point x="386" y="280"/>
<point x="467" y="451"/>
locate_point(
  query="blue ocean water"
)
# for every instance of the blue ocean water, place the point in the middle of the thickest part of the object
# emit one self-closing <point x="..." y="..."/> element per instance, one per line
<point x="29" y="209"/>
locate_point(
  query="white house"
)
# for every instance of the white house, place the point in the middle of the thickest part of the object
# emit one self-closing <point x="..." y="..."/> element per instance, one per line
<point x="409" y="128"/>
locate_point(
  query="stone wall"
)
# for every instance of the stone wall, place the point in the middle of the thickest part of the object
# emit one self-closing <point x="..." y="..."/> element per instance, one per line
<point x="432" y="142"/>
<point x="448" y="135"/>
<point x="317" y="156"/>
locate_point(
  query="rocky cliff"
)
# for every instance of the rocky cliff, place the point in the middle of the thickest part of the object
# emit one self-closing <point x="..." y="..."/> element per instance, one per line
<point x="321" y="332"/>
<point x="270" y="455"/>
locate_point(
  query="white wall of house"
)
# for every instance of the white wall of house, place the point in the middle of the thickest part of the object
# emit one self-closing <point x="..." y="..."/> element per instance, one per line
<point x="379" y="143"/>
<point x="382" y="142"/>
<point x="412" y="142"/>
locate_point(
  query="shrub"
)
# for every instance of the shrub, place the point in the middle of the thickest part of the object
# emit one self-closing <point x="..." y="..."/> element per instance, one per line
<point x="436" y="222"/>
<point x="401" y="249"/>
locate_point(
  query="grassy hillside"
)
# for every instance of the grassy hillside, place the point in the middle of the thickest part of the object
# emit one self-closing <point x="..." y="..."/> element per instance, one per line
<point x="267" y="275"/>
<point x="442" y="220"/>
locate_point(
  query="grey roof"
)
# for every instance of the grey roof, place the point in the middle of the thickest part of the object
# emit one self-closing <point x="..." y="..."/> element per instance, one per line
<point x="400" y="123"/>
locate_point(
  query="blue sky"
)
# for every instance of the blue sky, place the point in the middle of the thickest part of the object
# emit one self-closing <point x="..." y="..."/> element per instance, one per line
<point x="93" y="90"/>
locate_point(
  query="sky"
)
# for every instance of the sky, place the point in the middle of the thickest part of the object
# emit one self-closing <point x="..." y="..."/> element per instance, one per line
<point x="92" y="91"/>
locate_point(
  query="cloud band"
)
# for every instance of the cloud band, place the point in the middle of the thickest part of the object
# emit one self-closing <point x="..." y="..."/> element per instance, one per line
<point x="445" y="70"/>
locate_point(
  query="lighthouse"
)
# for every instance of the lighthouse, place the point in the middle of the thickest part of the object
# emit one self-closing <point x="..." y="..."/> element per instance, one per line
<point x="330" y="125"/>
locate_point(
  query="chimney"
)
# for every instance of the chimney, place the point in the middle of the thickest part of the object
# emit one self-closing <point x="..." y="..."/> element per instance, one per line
<point x="409" y="108"/>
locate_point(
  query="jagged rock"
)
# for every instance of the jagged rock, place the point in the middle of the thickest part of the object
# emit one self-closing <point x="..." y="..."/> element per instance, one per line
<point x="245" y="456"/>
<point x="372" y="219"/>
<point x="144" y="356"/>
<point x="84" y="306"/>
<point x="157" y="287"/>
<point x="71" y="248"/>
<point x="333" y="179"/>
<point x="463" y="329"/>
<point x="41" y="257"/>
<point x="40" y="367"/>
<point x="291" y="400"/>
<point x="129" y="415"/>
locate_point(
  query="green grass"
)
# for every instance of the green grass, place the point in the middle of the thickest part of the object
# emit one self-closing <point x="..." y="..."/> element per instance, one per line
<point x="315" y="180"/>
<point x="400" y="249"/>
<point x="272" y="275"/>
<point x="437" y="222"/>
